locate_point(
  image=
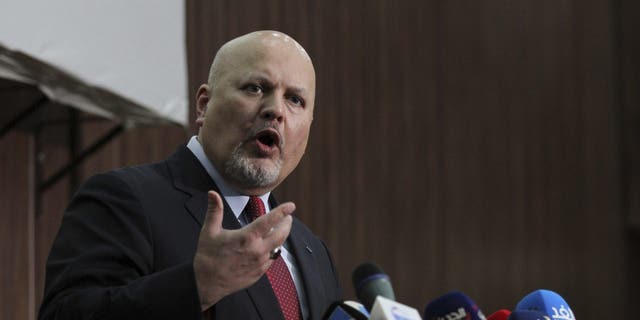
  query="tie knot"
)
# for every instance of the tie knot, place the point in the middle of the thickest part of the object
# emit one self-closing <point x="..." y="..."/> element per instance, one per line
<point x="255" y="208"/>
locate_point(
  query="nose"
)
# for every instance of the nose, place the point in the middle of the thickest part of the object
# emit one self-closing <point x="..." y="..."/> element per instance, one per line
<point x="273" y="109"/>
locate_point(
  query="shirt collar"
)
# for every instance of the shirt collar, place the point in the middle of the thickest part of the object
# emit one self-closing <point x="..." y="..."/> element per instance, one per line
<point x="236" y="200"/>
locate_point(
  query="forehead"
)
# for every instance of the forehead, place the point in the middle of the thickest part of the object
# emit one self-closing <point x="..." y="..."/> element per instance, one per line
<point x="277" y="59"/>
<point x="278" y="68"/>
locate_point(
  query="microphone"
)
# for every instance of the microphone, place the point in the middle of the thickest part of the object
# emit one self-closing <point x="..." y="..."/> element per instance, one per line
<point x="373" y="288"/>
<point x="370" y="281"/>
<point x="548" y="302"/>
<point x="527" y="315"/>
<point x="502" y="314"/>
<point x="346" y="310"/>
<point x="454" y="305"/>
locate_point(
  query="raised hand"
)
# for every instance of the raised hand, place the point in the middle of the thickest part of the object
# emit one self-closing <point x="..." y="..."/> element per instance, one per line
<point x="230" y="260"/>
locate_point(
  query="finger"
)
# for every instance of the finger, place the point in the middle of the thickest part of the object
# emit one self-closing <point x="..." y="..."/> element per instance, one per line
<point x="279" y="234"/>
<point x="266" y="223"/>
<point x="266" y="265"/>
<point x="213" y="218"/>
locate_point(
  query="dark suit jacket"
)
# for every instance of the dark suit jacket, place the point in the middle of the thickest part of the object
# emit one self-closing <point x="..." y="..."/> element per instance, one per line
<point x="126" y="245"/>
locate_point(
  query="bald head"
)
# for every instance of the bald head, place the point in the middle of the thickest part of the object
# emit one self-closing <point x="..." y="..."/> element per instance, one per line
<point x="250" y="46"/>
<point x="255" y="112"/>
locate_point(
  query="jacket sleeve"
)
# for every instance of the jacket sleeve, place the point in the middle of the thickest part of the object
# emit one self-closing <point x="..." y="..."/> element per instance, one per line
<point x="101" y="262"/>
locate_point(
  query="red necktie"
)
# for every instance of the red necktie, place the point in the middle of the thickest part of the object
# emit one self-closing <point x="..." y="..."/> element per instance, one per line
<point x="278" y="273"/>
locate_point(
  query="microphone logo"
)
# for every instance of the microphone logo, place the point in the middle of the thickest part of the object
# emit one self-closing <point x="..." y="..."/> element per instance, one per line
<point x="562" y="313"/>
<point x="459" y="315"/>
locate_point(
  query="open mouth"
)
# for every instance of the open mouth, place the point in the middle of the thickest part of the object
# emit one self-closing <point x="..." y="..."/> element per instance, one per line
<point x="269" y="138"/>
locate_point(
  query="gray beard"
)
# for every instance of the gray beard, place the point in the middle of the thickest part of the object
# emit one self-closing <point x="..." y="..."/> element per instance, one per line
<point x="240" y="168"/>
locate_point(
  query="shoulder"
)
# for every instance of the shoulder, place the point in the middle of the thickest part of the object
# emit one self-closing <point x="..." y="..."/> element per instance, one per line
<point x="141" y="174"/>
<point x="144" y="176"/>
<point x="128" y="179"/>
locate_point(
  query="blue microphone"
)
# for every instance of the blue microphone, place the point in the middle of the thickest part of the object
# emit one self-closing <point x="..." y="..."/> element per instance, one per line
<point x="454" y="305"/>
<point x="549" y="303"/>
<point x="527" y="315"/>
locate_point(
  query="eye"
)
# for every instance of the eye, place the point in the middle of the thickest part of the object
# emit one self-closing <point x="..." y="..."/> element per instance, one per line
<point x="296" y="100"/>
<point x="252" y="88"/>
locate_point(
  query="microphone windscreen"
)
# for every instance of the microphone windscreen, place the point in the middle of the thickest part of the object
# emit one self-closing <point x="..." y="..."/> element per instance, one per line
<point x="528" y="315"/>
<point x="548" y="302"/>
<point x="454" y="305"/>
<point x="369" y="281"/>
<point x="502" y="314"/>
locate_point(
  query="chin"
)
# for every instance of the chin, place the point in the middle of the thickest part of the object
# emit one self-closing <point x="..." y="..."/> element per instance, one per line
<point x="253" y="172"/>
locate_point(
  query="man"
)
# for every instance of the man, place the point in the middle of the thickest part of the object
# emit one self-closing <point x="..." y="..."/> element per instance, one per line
<point x="158" y="241"/>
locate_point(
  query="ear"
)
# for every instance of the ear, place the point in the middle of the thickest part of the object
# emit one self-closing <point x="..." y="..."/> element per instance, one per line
<point x="202" y="101"/>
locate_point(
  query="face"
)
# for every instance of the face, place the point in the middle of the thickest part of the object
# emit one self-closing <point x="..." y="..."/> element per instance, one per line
<point x="256" y="112"/>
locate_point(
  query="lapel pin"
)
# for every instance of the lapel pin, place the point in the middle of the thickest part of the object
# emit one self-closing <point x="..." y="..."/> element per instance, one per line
<point x="308" y="249"/>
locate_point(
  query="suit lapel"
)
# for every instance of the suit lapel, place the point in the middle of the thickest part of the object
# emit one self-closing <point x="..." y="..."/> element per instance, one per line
<point x="190" y="177"/>
<point x="301" y="249"/>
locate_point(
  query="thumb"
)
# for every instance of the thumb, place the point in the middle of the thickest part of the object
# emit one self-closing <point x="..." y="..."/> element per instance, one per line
<point x="213" y="218"/>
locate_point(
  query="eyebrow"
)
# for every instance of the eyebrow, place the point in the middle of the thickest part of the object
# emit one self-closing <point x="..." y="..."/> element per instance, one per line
<point x="260" y="77"/>
<point x="299" y="91"/>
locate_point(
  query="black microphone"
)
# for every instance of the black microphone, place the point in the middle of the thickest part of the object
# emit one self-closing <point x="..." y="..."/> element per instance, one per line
<point x="374" y="290"/>
<point x="370" y="281"/>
